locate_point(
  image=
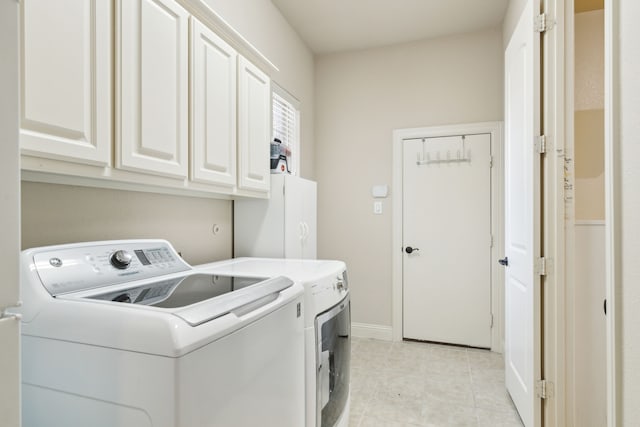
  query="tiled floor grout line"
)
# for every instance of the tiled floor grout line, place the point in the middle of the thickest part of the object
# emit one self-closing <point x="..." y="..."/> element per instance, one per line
<point x="473" y="394"/>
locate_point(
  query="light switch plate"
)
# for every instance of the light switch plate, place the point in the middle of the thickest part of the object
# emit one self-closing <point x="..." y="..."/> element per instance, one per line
<point x="377" y="208"/>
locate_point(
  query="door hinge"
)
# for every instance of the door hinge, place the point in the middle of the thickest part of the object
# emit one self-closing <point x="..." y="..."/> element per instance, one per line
<point x="490" y="240"/>
<point x="540" y="267"/>
<point x="541" y="144"/>
<point x="491" y="321"/>
<point x="540" y="23"/>
<point x="544" y="389"/>
<point x="490" y="162"/>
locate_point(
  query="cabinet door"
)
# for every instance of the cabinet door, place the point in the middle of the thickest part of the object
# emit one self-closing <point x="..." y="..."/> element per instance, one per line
<point x="65" y="94"/>
<point x="153" y="133"/>
<point x="213" y="107"/>
<point x="294" y="225"/>
<point x="300" y="217"/>
<point x="310" y="215"/>
<point x="254" y="127"/>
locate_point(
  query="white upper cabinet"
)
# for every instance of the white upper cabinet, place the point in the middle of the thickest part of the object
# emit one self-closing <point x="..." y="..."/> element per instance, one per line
<point x="142" y="93"/>
<point x="153" y="87"/>
<point x="213" y="107"/>
<point x="254" y="127"/>
<point x="66" y="80"/>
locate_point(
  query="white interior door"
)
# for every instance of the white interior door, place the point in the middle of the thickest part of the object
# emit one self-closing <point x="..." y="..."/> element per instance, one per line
<point x="522" y="216"/>
<point x="447" y="225"/>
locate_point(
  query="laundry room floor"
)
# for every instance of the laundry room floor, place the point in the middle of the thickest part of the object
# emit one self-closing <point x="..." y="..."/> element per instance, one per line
<point x="411" y="384"/>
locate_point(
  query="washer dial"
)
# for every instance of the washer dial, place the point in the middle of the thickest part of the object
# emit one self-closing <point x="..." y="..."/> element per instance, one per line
<point x="121" y="259"/>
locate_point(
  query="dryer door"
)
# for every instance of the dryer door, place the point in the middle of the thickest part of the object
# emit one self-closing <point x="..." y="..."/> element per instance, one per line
<point x="333" y="334"/>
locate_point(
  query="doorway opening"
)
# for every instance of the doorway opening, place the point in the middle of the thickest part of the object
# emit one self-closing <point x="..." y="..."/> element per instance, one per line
<point x="585" y="221"/>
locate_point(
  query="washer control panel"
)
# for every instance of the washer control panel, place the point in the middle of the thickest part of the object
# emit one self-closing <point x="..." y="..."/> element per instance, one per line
<point x="81" y="267"/>
<point x="338" y="284"/>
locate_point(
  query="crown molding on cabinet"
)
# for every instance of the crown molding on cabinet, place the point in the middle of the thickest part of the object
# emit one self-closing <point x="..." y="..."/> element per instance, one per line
<point x="208" y="16"/>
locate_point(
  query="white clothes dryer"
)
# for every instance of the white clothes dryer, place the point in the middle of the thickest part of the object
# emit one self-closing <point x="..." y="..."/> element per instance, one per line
<point x="126" y="334"/>
<point x="327" y="329"/>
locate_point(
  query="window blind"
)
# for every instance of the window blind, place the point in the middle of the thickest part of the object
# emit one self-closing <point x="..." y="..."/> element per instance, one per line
<point x="284" y="121"/>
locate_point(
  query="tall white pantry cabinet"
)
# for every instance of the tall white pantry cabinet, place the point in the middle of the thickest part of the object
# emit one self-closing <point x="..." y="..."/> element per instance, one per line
<point x="283" y="226"/>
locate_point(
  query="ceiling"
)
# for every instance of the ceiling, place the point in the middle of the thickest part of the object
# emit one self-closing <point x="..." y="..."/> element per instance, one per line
<point x="338" y="25"/>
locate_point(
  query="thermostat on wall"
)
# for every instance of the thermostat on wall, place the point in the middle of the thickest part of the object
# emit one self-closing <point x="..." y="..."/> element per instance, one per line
<point x="379" y="191"/>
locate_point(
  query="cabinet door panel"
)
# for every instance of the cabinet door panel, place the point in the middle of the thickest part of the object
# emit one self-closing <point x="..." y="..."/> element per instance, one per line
<point x="153" y="87"/>
<point x="213" y="109"/>
<point x="254" y="127"/>
<point x="66" y="80"/>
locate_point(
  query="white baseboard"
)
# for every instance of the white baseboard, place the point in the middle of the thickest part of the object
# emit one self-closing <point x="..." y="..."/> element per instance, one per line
<point x="367" y="330"/>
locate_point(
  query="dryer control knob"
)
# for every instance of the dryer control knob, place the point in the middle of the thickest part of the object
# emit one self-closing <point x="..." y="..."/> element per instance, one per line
<point x="121" y="259"/>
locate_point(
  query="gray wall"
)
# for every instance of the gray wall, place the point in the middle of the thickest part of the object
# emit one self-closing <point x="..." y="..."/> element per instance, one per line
<point x="361" y="97"/>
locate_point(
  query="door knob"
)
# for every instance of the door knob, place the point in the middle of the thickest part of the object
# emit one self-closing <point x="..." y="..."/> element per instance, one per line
<point x="409" y="249"/>
<point x="504" y="261"/>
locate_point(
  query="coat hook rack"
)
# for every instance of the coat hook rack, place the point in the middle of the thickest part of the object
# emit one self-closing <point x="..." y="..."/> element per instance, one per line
<point x="461" y="156"/>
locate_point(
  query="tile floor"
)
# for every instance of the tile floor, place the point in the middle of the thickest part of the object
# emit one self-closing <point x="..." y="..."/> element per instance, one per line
<point x="411" y="384"/>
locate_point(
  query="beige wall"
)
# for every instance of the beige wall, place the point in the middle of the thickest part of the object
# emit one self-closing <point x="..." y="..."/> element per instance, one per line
<point x="514" y="10"/>
<point x="361" y="98"/>
<point x="184" y="221"/>
<point x="589" y="60"/>
<point x="626" y="79"/>
<point x="589" y="165"/>
<point x="53" y="214"/>
<point x="9" y="215"/>
<point x="589" y="116"/>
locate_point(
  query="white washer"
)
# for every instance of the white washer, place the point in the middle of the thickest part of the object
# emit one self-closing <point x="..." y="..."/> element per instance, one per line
<point x="126" y="334"/>
<point x="327" y="329"/>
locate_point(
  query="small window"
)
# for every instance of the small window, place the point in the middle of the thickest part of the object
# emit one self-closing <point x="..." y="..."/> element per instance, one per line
<point x="286" y="125"/>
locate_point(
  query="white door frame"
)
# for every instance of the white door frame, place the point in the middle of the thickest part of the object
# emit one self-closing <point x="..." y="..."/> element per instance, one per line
<point x="556" y="120"/>
<point x="612" y="204"/>
<point x="497" y="220"/>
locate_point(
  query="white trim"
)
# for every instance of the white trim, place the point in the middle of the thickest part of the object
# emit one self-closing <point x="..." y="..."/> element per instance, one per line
<point x="367" y="330"/>
<point x="569" y="222"/>
<point x="205" y="14"/>
<point x="556" y="124"/>
<point x="590" y="223"/>
<point x="497" y="220"/>
<point x="612" y="232"/>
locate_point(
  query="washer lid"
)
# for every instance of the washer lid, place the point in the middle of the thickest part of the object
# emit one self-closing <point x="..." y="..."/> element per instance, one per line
<point x="199" y="298"/>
